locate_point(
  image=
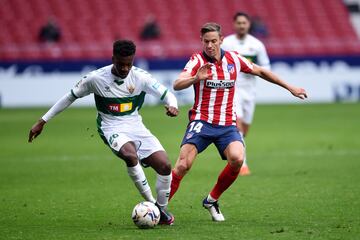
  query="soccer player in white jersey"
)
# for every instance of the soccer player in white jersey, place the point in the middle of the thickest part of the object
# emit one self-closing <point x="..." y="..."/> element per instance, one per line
<point x="119" y="90"/>
<point x="213" y="73"/>
<point x="254" y="50"/>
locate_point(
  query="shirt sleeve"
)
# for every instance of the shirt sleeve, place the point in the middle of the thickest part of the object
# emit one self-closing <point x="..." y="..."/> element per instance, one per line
<point x="263" y="58"/>
<point x="155" y="88"/>
<point x="245" y="65"/>
<point x="59" y="106"/>
<point x="192" y="65"/>
<point x="83" y="87"/>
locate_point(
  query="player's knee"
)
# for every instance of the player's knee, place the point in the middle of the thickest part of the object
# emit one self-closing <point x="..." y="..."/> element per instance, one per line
<point x="130" y="158"/>
<point x="182" y="166"/>
<point x="236" y="161"/>
<point x="164" y="169"/>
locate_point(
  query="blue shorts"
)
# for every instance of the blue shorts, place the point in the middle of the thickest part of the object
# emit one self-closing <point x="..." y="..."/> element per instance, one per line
<point x="202" y="134"/>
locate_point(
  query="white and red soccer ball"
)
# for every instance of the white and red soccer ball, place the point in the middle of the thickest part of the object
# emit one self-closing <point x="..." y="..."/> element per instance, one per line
<point x="146" y="215"/>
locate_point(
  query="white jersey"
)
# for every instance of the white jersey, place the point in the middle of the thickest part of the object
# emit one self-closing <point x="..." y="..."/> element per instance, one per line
<point x="252" y="49"/>
<point x="118" y="100"/>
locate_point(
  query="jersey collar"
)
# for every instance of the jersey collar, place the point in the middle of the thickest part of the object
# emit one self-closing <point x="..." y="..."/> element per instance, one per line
<point x="212" y="60"/>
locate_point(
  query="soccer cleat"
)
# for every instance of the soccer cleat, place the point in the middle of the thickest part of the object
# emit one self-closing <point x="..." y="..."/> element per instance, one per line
<point x="245" y="171"/>
<point x="166" y="218"/>
<point x="214" y="210"/>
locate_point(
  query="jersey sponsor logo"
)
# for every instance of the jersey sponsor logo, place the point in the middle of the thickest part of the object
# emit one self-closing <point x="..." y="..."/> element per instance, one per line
<point x="220" y="84"/>
<point x="122" y="107"/>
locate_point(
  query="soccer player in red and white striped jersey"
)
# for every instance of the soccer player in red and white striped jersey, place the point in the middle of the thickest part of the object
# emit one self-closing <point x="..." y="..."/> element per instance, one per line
<point x="213" y="73"/>
<point x="214" y="97"/>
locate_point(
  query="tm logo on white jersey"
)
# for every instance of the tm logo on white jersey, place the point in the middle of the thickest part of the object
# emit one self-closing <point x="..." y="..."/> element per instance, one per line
<point x="220" y="84"/>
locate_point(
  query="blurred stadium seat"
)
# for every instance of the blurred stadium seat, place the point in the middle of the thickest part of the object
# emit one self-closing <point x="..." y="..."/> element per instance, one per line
<point x="299" y="28"/>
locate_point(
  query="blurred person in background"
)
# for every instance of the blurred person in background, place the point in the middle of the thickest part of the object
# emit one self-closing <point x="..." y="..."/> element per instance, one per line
<point x="258" y="28"/>
<point x="151" y="29"/>
<point x="50" y="32"/>
<point x="254" y="50"/>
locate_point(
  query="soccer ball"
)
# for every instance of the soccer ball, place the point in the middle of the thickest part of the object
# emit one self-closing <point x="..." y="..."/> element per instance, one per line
<point x="146" y="215"/>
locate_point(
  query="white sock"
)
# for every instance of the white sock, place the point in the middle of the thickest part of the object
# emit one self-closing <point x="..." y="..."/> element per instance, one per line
<point x="243" y="138"/>
<point x="163" y="183"/>
<point x="211" y="199"/>
<point x="245" y="162"/>
<point x="138" y="176"/>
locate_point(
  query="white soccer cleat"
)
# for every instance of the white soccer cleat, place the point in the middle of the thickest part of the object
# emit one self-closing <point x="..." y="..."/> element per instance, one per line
<point x="214" y="210"/>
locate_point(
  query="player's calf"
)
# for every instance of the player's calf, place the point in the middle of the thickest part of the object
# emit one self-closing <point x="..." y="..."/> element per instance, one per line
<point x="161" y="164"/>
<point x="128" y="153"/>
<point x="182" y="166"/>
<point x="236" y="163"/>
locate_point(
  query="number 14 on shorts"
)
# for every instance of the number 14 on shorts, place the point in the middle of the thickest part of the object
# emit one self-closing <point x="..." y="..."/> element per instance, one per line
<point x="196" y="127"/>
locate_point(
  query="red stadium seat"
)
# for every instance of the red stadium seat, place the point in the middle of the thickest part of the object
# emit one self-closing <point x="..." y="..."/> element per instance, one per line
<point x="88" y="28"/>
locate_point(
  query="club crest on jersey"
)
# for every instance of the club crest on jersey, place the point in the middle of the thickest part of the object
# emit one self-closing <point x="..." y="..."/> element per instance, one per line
<point x="231" y="68"/>
<point x="219" y="84"/>
<point x="131" y="89"/>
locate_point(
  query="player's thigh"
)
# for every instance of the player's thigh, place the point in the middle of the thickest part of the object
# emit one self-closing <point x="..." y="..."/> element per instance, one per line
<point x="159" y="161"/>
<point x="149" y="144"/>
<point x="226" y="137"/>
<point x="234" y="153"/>
<point x="239" y="103"/>
<point x="188" y="153"/>
<point x="248" y="112"/>
<point x="245" y="128"/>
<point x="128" y="153"/>
<point x="121" y="143"/>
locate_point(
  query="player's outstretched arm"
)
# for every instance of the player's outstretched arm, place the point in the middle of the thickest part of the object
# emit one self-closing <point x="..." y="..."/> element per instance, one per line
<point x="58" y="107"/>
<point x="271" y="77"/>
<point x="185" y="79"/>
<point x="171" y="106"/>
<point x="36" y="129"/>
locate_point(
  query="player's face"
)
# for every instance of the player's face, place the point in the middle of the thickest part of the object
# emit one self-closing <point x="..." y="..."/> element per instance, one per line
<point x="122" y="65"/>
<point x="241" y="26"/>
<point x="211" y="43"/>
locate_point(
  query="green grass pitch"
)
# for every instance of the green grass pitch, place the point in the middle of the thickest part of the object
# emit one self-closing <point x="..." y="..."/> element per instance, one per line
<point x="305" y="184"/>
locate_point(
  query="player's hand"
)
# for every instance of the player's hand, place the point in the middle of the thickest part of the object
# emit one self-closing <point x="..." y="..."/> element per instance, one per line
<point x="203" y="72"/>
<point x="36" y="130"/>
<point x="298" y="92"/>
<point x="171" y="111"/>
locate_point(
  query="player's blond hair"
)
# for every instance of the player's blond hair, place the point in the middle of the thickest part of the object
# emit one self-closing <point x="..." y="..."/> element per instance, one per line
<point x="210" y="27"/>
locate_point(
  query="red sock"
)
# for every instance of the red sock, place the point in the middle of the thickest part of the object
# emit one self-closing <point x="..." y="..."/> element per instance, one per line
<point x="175" y="183"/>
<point x="226" y="178"/>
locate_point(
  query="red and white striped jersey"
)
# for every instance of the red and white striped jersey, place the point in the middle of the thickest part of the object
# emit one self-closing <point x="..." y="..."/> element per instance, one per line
<point x="214" y="97"/>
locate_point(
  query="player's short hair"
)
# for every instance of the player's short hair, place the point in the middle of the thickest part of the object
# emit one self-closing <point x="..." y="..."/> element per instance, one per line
<point x="241" y="14"/>
<point x="210" y="27"/>
<point x="124" y="48"/>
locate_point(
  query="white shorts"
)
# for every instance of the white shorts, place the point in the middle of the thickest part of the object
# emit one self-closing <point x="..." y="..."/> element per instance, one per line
<point x="146" y="143"/>
<point x="244" y="105"/>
